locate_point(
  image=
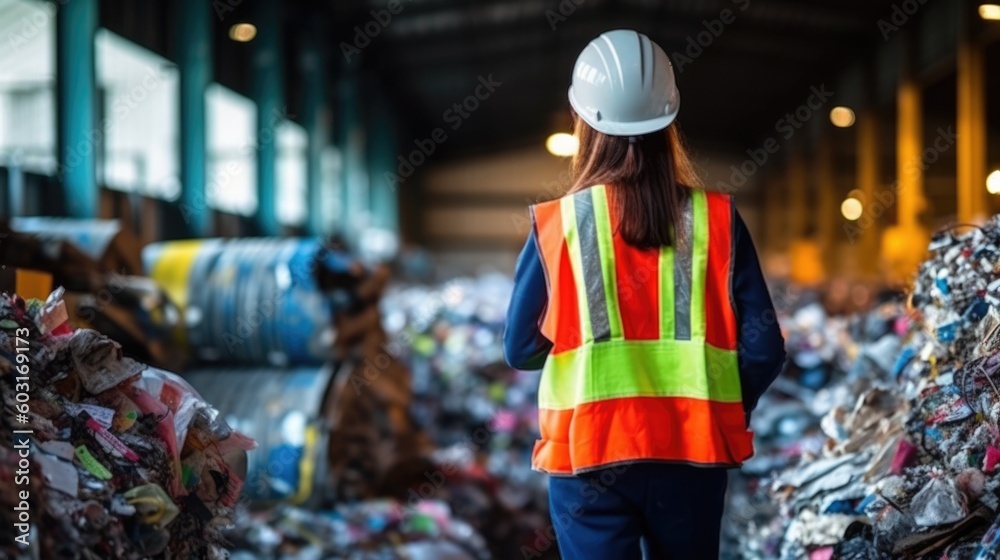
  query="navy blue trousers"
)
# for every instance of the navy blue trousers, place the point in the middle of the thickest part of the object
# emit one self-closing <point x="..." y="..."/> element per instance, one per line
<point x="632" y="511"/>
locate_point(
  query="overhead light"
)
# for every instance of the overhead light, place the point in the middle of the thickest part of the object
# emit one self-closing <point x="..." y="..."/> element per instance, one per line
<point x="243" y="32"/>
<point x="993" y="182"/>
<point x="562" y="144"/>
<point x="842" y="116"/>
<point x="851" y="208"/>
<point x="989" y="11"/>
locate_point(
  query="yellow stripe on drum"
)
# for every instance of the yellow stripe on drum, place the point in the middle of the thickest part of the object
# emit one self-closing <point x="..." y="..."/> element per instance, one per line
<point x="307" y="468"/>
<point x="171" y="270"/>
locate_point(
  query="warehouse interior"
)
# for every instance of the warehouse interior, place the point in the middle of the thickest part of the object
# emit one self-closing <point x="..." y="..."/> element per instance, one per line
<point x="264" y="251"/>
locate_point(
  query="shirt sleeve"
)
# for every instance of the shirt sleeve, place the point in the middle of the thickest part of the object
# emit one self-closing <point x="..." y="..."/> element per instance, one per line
<point x="761" y="348"/>
<point x="525" y="347"/>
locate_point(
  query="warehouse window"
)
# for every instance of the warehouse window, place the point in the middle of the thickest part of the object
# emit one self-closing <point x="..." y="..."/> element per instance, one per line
<point x="292" y="145"/>
<point x="140" y="118"/>
<point x="27" y="85"/>
<point x="232" y="155"/>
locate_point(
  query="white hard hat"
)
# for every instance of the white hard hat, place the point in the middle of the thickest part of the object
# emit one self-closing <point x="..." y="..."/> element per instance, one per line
<point x="623" y="85"/>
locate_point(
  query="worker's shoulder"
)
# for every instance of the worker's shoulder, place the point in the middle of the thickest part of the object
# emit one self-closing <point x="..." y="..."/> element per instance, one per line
<point x="715" y="196"/>
<point x="554" y="202"/>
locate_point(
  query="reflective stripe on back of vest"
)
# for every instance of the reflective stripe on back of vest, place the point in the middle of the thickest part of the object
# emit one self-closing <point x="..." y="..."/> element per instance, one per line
<point x="644" y="363"/>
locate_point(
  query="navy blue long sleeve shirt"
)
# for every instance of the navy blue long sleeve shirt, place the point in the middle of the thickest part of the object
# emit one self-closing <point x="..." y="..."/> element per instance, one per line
<point x="760" y="350"/>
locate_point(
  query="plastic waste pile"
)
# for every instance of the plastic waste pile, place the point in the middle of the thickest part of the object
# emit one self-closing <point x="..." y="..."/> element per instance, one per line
<point x="402" y="489"/>
<point x="102" y="456"/>
<point x="480" y="414"/>
<point x="381" y="529"/>
<point x="903" y="464"/>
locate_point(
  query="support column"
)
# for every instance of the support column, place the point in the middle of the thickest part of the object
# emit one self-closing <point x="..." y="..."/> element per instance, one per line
<point x="797" y="191"/>
<point x="351" y="136"/>
<point x="775" y="212"/>
<point x="867" y="180"/>
<point x="973" y="206"/>
<point x="268" y="92"/>
<point x="316" y="119"/>
<point x="381" y="155"/>
<point x="76" y="87"/>
<point x="909" y="151"/>
<point x="903" y="246"/>
<point x="827" y="206"/>
<point x="194" y="57"/>
<point x="804" y="253"/>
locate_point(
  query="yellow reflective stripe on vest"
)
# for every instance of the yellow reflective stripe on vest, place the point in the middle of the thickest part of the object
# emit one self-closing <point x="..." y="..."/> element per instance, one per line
<point x="605" y="241"/>
<point x="570" y="231"/>
<point x="666" y="297"/>
<point x="588" y="231"/>
<point x="639" y="368"/>
<point x="682" y="273"/>
<point x="699" y="263"/>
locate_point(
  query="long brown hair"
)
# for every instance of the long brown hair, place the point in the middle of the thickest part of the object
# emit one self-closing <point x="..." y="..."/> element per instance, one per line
<point x="647" y="177"/>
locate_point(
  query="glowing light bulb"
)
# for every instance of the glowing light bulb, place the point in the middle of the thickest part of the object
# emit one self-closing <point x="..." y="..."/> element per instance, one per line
<point x="989" y="11"/>
<point x="993" y="182"/>
<point x="562" y="144"/>
<point x="851" y="208"/>
<point x="243" y="32"/>
<point x="842" y="117"/>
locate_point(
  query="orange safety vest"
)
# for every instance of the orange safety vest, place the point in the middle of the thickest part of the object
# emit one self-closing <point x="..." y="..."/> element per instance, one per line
<point x="643" y="365"/>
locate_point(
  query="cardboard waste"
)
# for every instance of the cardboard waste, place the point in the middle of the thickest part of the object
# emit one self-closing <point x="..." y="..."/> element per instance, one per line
<point x="897" y="455"/>
<point x="122" y="460"/>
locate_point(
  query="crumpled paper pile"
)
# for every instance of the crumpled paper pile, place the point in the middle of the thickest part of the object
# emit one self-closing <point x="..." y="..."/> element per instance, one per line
<point x="907" y="465"/>
<point x="372" y="530"/>
<point x="125" y="461"/>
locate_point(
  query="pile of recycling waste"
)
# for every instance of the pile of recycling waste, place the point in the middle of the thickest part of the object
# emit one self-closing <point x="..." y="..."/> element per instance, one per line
<point x="897" y="455"/>
<point x="377" y="529"/>
<point x="468" y="492"/>
<point x="480" y="414"/>
<point x="103" y="456"/>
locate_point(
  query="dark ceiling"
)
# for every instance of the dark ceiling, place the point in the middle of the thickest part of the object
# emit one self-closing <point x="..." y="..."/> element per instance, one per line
<point x="760" y="66"/>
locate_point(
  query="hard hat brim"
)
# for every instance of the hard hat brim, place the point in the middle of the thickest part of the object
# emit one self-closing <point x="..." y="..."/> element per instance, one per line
<point x="613" y="128"/>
